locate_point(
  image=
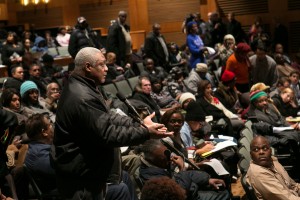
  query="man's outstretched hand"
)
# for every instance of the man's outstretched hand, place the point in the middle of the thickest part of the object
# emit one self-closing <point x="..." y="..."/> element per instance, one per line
<point x="156" y="130"/>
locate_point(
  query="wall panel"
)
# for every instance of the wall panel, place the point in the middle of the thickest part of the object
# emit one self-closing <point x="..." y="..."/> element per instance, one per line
<point x="162" y="11"/>
<point x="243" y="7"/>
<point x="100" y="14"/>
<point x="52" y="18"/>
<point x="295" y="36"/>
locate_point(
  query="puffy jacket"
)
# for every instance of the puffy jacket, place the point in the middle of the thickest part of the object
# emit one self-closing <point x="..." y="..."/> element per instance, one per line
<point x="79" y="40"/>
<point x="87" y="134"/>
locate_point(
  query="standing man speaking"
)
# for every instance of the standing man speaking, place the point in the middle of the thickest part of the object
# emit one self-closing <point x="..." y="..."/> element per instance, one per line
<point x="86" y="132"/>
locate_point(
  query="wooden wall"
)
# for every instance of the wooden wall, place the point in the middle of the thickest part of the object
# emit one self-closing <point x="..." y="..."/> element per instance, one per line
<point x="143" y="13"/>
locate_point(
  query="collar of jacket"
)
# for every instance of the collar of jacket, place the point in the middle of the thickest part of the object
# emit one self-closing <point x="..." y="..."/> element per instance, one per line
<point x="84" y="79"/>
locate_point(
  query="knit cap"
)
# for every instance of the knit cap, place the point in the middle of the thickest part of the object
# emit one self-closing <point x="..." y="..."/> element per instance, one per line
<point x="201" y="67"/>
<point x="256" y="94"/>
<point x="194" y="112"/>
<point x="227" y="76"/>
<point x="185" y="96"/>
<point x="243" y="47"/>
<point x="26" y="86"/>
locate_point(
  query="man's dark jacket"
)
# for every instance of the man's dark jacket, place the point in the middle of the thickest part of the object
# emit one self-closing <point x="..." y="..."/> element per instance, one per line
<point x="154" y="50"/>
<point x="87" y="133"/>
<point x="116" y="41"/>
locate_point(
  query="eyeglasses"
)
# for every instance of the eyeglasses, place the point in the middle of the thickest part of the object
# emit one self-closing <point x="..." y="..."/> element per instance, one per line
<point x="173" y="121"/>
<point x="36" y="70"/>
<point x="55" y="90"/>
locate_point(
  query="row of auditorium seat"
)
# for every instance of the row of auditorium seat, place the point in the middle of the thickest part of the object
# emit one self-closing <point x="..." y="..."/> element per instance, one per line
<point x="126" y="87"/>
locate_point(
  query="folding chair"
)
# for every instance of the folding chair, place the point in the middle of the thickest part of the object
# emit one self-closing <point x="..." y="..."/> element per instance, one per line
<point x="244" y="153"/>
<point x="133" y="82"/>
<point x="248" y="124"/>
<point x="248" y="188"/>
<point x="111" y="88"/>
<point x="140" y="67"/>
<point x="243" y="165"/>
<point x="245" y="132"/>
<point x="124" y="87"/>
<point x="39" y="194"/>
<point x="243" y="141"/>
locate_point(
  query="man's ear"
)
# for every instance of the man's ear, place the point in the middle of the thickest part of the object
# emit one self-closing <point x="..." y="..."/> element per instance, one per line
<point x="88" y="67"/>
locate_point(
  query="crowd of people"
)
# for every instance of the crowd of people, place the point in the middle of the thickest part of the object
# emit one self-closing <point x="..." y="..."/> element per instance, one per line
<point x="184" y="98"/>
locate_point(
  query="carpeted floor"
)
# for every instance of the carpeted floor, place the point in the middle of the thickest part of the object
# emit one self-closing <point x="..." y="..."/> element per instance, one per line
<point x="237" y="189"/>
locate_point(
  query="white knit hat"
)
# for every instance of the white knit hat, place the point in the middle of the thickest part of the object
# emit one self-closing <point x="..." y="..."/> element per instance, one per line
<point x="185" y="96"/>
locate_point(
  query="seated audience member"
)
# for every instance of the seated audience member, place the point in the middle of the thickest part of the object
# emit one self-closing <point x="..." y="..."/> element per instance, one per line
<point x="195" y="132"/>
<point x="226" y="49"/>
<point x="226" y="91"/>
<point x="175" y="83"/>
<point x="197" y="75"/>
<point x="40" y="132"/>
<point x="165" y="187"/>
<point x="35" y="73"/>
<point x="212" y="106"/>
<point x="295" y="85"/>
<point x="152" y="71"/>
<point x="173" y="120"/>
<point x="53" y="95"/>
<point x="239" y="64"/>
<point x="11" y="101"/>
<point x="142" y="92"/>
<point x="116" y="73"/>
<point x="11" y="51"/>
<point x="17" y="78"/>
<point x="185" y="99"/>
<point x="267" y="176"/>
<point x="49" y="40"/>
<point x="63" y="37"/>
<point x="279" y="50"/>
<point x="285" y="103"/>
<point x="50" y="71"/>
<point x="282" y="83"/>
<point x="296" y="63"/>
<point x="197" y="184"/>
<point x="31" y="100"/>
<point x="40" y="45"/>
<point x="162" y="96"/>
<point x="258" y="87"/>
<point x="8" y="121"/>
<point x="176" y="58"/>
<point x="284" y="69"/>
<point x="265" y="116"/>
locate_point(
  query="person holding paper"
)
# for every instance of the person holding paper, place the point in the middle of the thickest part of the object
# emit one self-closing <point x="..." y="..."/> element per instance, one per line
<point x="267" y="117"/>
<point x="194" y="122"/>
<point x="265" y="120"/>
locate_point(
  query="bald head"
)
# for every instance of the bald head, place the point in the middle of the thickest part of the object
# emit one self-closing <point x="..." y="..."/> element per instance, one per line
<point x="260" y="151"/>
<point x="122" y="17"/>
<point x="90" y="63"/>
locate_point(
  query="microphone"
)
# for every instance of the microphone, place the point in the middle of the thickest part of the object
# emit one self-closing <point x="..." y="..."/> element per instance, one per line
<point x="177" y="152"/>
<point x="134" y="114"/>
<point x="167" y="153"/>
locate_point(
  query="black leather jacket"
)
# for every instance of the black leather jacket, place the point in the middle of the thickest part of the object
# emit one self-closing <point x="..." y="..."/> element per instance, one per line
<point x="87" y="133"/>
<point x="79" y="40"/>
